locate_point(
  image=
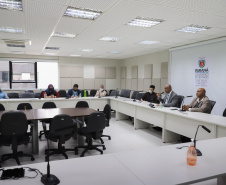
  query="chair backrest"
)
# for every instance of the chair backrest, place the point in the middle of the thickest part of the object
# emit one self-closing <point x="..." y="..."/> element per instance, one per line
<point x="82" y="104"/>
<point x="93" y="92"/>
<point x="13" y="95"/>
<point x="49" y="105"/>
<point x="13" y="123"/>
<point x="134" y="94"/>
<point x="62" y="93"/>
<point x="180" y="100"/>
<point x="224" y="113"/>
<point x="139" y="95"/>
<point x="27" y="95"/>
<point x="82" y="93"/>
<point x="21" y="106"/>
<point x="29" y="91"/>
<point x="96" y="122"/>
<point x="38" y="95"/>
<point x="107" y="113"/>
<point x="125" y="93"/>
<point x="61" y="128"/>
<point x="113" y="93"/>
<point x="212" y="103"/>
<point x="2" y="107"/>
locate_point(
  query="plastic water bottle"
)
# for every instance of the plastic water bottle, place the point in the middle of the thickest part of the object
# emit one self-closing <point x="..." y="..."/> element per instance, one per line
<point x="160" y="105"/>
<point x="84" y="93"/>
<point x="80" y="95"/>
<point x="191" y="155"/>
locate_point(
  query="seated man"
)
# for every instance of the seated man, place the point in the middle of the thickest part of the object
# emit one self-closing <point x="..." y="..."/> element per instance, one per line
<point x="199" y="104"/>
<point x="51" y="93"/>
<point x="3" y="95"/>
<point x="101" y="92"/>
<point x="171" y="98"/>
<point x="74" y="93"/>
<point x="150" y="96"/>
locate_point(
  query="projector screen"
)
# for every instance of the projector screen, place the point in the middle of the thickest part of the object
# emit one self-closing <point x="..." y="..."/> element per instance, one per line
<point x="205" y="62"/>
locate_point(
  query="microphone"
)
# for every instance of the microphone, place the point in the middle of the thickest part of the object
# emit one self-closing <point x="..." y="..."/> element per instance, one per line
<point x="49" y="179"/>
<point x="116" y="93"/>
<point x="199" y="153"/>
<point x="161" y="93"/>
<point x="183" y="102"/>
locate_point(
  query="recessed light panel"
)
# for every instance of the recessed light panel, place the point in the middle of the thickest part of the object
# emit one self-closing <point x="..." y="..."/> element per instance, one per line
<point x="49" y="53"/>
<point x="144" y="22"/>
<point x="148" y="42"/>
<point x="66" y="35"/>
<point x="114" y="52"/>
<point x="11" y="4"/>
<point x="82" y="13"/>
<point x="193" y="28"/>
<point x="75" y="55"/>
<point x="86" y="50"/>
<point x="109" y="39"/>
<point x="11" y="30"/>
<point x="52" y="48"/>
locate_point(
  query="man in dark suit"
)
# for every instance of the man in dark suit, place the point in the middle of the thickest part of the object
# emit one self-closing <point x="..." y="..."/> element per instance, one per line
<point x="199" y="104"/>
<point x="150" y="96"/>
<point x="170" y="99"/>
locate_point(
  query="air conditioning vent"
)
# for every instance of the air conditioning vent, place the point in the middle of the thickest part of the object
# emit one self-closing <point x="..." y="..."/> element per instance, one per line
<point x="52" y="48"/>
<point x="16" y="45"/>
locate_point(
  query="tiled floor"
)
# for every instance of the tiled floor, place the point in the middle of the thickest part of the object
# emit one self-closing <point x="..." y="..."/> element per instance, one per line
<point x="124" y="138"/>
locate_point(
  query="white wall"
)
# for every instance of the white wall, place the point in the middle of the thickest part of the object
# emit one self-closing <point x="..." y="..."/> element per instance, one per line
<point x="182" y="71"/>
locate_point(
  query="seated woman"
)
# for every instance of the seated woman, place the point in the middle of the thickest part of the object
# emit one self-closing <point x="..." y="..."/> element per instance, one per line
<point x="50" y="92"/>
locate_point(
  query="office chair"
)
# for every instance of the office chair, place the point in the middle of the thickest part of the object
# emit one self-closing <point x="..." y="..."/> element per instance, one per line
<point x="94" y="126"/>
<point x="134" y="94"/>
<point x="224" y="113"/>
<point x="13" y="95"/>
<point x="113" y="93"/>
<point x="125" y="93"/>
<point x="107" y="113"/>
<point x="46" y="105"/>
<point x="139" y="95"/>
<point x="60" y="130"/>
<point x="62" y="93"/>
<point x="29" y="91"/>
<point x="212" y="105"/>
<point x="93" y="92"/>
<point x="38" y="95"/>
<point x="2" y="108"/>
<point x="82" y="104"/>
<point x="27" y="95"/>
<point x="13" y="129"/>
<point x="180" y="100"/>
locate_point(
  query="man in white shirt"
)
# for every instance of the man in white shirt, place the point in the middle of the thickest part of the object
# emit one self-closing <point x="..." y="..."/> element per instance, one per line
<point x="101" y="92"/>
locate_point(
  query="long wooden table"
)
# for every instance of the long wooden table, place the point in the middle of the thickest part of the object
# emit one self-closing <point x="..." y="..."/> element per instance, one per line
<point x="41" y="114"/>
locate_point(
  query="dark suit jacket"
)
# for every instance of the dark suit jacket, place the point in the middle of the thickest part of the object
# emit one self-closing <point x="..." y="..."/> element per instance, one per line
<point x="204" y="106"/>
<point x="172" y="102"/>
<point x="150" y="97"/>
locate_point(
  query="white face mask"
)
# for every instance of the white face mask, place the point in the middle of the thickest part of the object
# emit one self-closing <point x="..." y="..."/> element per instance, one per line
<point x="101" y="89"/>
<point x="150" y="91"/>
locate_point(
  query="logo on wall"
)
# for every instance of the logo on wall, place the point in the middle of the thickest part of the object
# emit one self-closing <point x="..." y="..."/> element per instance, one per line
<point x="202" y="63"/>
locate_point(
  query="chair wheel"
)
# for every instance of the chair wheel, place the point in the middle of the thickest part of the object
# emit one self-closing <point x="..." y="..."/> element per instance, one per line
<point x="109" y="138"/>
<point x="81" y="155"/>
<point x="76" y="152"/>
<point x="104" y="148"/>
<point x="101" y="153"/>
<point x="32" y="159"/>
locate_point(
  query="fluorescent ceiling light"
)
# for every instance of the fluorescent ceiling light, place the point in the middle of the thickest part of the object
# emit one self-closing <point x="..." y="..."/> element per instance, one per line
<point x="52" y="48"/>
<point x="86" y="50"/>
<point x="66" y="35"/>
<point x="114" y="52"/>
<point x="11" y="4"/>
<point x="109" y="39"/>
<point x="193" y="29"/>
<point x="144" y="22"/>
<point x="11" y="30"/>
<point x="148" y="42"/>
<point x="82" y="13"/>
<point x="75" y="55"/>
<point x="17" y="52"/>
<point x="49" y="53"/>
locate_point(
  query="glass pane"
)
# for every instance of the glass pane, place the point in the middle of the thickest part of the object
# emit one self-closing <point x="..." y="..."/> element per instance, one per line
<point x="23" y="72"/>
<point x="4" y="74"/>
<point x="23" y="86"/>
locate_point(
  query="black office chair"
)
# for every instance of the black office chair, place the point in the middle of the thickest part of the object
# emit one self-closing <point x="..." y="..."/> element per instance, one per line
<point x="93" y="92"/>
<point x="224" y="113"/>
<point x="134" y="94"/>
<point x="180" y="100"/>
<point x="139" y="95"/>
<point x="82" y="93"/>
<point x="46" y="105"/>
<point x="13" y="95"/>
<point x="13" y="131"/>
<point x="29" y="91"/>
<point x="212" y="104"/>
<point x="38" y="95"/>
<point x="107" y="113"/>
<point x="125" y="93"/>
<point x="2" y="108"/>
<point x="82" y="104"/>
<point x="27" y="95"/>
<point x="113" y="93"/>
<point x="94" y="126"/>
<point x="61" y="129"/>
<point x="62" y="93"/>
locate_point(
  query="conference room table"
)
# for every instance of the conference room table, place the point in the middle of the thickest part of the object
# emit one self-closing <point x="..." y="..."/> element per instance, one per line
<point x="36" y="115"/>
<point x="160" y="165"/>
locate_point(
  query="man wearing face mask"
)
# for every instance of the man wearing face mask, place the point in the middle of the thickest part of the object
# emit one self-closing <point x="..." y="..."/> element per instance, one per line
<point x="3" y="95"/>
<point x="73" y="93"/>
<point x="170" y="99"/>
<point x="51" y="93"/>
<point x="101" y="92"/>
<point x="150" y="96"/>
